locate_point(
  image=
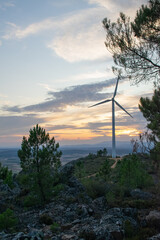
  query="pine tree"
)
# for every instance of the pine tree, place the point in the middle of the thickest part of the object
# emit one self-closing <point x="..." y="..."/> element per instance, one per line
<point x="39" y="156"/>
<point x="135" y="46"/>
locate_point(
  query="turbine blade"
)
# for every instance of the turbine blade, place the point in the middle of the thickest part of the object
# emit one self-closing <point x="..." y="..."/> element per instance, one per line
<point x="101" y="103"/>
<point x="115" y="91"/>
<point x="123" y="108"/>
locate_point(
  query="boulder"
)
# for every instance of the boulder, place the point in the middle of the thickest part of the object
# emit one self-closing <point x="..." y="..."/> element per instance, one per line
<point x="139" y="194"/>
<point x="153" y="219"/>
<point x="156" y="237"/>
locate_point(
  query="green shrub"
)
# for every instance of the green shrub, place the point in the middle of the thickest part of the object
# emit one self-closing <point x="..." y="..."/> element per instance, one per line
<point x="57" y="189"/>
<point x="111" y="198"/>
<point x="7" y="220"/>
<point x="79" y="170"/>
<point x="46" y="219"/>
<point x="95" y="187"/>
<point x="129" y="229"/>
<point x="131" y="173"/>
<point x="31" y="201"/>
<point x="55" y="227"/>
<point x="88" y="235"/>
<point x="139" y="203"/>
<point x="105" y="170"/>
<point x="6" y="176"/>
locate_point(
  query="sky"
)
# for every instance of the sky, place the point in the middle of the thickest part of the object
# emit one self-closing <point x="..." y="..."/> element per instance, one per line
<point x="54" y="65"/>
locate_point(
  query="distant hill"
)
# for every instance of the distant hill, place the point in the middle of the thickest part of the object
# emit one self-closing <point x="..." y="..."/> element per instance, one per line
<point x="8" y="156"/>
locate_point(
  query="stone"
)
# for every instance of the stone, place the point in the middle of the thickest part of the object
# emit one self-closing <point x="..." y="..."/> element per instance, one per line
<point x="156" y="237"/>
<point x="139" y="194"/>
<point x="153" y="219"/>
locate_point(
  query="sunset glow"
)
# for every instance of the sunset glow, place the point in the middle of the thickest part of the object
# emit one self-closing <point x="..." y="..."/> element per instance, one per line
<point x="52" y="71"/>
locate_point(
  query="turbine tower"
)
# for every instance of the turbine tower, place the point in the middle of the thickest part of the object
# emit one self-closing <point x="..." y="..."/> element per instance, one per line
<point x="113" y="116"/>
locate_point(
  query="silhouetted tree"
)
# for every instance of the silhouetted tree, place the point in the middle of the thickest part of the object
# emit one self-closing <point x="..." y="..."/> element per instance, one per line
<point x="151" y="111"/>
<point x="39" y="156"/>
<point x="135" y="46"/>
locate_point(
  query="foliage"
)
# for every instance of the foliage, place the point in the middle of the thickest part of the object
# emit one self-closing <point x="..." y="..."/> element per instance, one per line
<point x="39" y="156"/>
<point x="7" y="220"/>
<point x="57" y="189"/>
<point x="105" y="170"/>
<point x="102" y="153"/>
<point x="91" y="164"/>
<point x="6" y="175"/>
<point x="131" y="173"/>
<point x="151" y="111"/>
<point x="155" y="154"/>
<point x="129" y="229"/>
<point x="95" y="187"/>
<point x="135" y="46"/>
<point x="144" y="144"/>
<point x="30" y="200"/>
<point x="55" y="227"/>
<point x="45" y="219"/>
<point x="89" y="235"/>
<point x="79" y="169"/>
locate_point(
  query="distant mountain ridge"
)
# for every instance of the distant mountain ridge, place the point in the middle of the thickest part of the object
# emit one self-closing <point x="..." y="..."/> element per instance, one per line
<point x="106" y="144"/>
<point x="9" y="157"/>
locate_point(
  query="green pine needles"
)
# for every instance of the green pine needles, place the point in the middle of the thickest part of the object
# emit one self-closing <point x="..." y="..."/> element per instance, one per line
<point x="40" y="160"/>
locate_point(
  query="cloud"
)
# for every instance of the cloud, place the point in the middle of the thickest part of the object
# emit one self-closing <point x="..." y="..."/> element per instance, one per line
<point x="70" y="96"/>
<point x="6" y="4"/>
<point x="75" y="37"/>
<point x="17" y="32"/>
<point x="68" y="22"/>
<point x="79" y="35"/>
<point x="84" y="45"/>
<point x="118" y="4"/>
<point x="81" y="78"/>
<point x="10" y="125"/>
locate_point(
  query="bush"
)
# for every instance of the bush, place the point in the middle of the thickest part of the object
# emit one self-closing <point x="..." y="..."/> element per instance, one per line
<point x="131" y="173"/>
<point x="7" y="220"/>
<point x="129" y="229"/>
<point x="55" y="227"/>
<point x="57" y="189"/>
<point x="95" y="187"/>
<point x="6" y="176"/>
<point x="79" y="170"/>
<point x="46" y="219"/>
<point x="105" y="170"/>
<point x="31" y="201"/>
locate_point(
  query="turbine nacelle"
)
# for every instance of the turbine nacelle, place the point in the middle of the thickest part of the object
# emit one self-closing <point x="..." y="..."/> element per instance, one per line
<point x="112" y="99"/>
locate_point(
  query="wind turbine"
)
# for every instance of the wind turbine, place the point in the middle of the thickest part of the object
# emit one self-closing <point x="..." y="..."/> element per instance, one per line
<point x="113" y="116"/>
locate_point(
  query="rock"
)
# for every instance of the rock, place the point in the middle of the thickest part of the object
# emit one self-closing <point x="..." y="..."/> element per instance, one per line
<point x="153" y="219"/>
<point x="156" y="237"/>
<point x="74" y="183"/>
<point x="139" y="194"/>
<point x="66" y="226"/>
<point x="4" y="187"/>
<point x="66" y="170"/>
<point x="34" y="235"/>
<point x="69" y="236"/>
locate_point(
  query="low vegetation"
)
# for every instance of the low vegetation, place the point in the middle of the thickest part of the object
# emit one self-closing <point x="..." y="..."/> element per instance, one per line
<point x="7" y="220"/>
<point x="115" y="183"/>
<point x="6" y="175"/>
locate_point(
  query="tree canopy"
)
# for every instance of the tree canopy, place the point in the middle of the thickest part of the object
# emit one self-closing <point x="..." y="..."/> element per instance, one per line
<point x="151" y="111"/>
<point x="39" y="158"/>
<point x="135" y="46"/>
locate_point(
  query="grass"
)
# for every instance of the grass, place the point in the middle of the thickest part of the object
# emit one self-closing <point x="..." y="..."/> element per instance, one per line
<point x="92" y="166"/>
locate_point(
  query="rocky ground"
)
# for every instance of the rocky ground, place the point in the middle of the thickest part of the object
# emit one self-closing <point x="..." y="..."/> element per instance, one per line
<point x="74" y="215"/>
